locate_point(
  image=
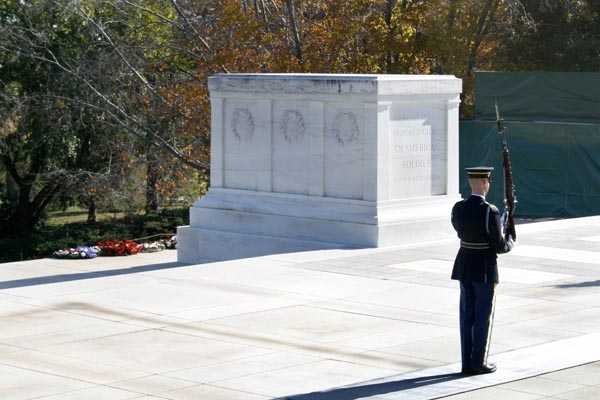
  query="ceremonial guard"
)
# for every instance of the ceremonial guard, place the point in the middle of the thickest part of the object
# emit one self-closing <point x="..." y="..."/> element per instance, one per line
<point x="480" y="229"/>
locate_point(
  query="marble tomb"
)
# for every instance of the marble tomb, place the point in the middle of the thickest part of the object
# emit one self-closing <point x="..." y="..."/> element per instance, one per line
<point x="316" y="161"/>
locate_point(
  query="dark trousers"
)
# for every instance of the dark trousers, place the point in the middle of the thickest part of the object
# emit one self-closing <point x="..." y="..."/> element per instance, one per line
<point x="476" y="317"/>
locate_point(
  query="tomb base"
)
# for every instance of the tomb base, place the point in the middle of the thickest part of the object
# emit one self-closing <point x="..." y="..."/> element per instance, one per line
<point x="229" y="224"/>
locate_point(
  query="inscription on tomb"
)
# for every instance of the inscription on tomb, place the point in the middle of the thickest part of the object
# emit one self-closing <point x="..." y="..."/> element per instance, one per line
<point x="411" y="160"/>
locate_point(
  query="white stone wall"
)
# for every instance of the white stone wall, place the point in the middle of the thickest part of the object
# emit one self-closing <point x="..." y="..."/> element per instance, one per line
<point x="362" y="137"/>
<point x="344" y="150"/>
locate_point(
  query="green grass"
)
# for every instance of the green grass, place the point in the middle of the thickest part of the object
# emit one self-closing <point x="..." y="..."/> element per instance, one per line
<point x="75" y="214"/>
<point x="70" y="229"/>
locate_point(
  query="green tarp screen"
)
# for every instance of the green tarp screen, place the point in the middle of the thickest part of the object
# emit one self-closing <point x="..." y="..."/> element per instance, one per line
<point x="538" y="96"/>
<point x="555" y="165"/>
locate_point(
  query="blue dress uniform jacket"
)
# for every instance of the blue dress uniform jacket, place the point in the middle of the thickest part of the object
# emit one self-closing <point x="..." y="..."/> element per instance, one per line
<point x="478" y="226"/>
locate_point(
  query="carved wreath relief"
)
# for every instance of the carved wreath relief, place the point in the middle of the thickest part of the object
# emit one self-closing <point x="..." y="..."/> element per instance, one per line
<point x="345" y="128"/>
<point x="292" y="126"/>
<point x="242" y="124"/>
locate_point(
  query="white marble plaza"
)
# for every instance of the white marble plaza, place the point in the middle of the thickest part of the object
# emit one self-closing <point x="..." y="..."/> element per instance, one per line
<point x="308" y="161"/>
<point x="334" y="324"/>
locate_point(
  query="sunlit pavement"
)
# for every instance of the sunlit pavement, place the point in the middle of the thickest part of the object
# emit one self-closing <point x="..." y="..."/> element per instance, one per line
<point x="335" y="324"/>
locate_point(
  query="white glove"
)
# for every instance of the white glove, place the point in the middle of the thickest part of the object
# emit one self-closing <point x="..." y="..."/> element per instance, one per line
<point x="510" y="243"/>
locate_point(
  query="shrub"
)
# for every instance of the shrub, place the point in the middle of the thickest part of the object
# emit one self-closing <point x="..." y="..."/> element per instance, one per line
<point x="49" y="238"/>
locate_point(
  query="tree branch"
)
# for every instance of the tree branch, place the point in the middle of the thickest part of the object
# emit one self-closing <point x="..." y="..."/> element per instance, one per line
<point x="487" y="14"/>
<point x="193" y="28"/>
<point x="11" y="167"/>
<point x="143" y="132"/>
<point x="295" y="33"/>
<point x="43" y="197"/>
<point x="120" y="54"/>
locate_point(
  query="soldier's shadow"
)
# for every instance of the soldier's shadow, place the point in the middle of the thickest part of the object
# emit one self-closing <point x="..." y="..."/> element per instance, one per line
<point x="366" y="390"/>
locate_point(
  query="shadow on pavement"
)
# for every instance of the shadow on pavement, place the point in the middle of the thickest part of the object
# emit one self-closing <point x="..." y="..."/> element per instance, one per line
<point x="43" y="280"/>
<point x="578" y="284"/>
<point x="363" y="391"/>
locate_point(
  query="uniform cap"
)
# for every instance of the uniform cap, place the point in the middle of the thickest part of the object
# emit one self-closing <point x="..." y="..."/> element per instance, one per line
<point x="479" y="172"/>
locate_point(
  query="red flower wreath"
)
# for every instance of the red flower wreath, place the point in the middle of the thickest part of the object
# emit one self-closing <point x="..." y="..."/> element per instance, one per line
<point x="119" y="247"/>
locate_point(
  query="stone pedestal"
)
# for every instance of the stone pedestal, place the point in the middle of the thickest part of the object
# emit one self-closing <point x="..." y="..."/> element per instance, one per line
<point x="310" y="161"/>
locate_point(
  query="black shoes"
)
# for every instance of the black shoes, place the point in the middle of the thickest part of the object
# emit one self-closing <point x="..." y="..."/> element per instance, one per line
<point x="484" y="369"/>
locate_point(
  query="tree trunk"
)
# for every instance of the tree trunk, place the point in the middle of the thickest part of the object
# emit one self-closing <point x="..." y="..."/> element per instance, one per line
<point x="450" y="24"/>
<point x="23" y="220"/>
<point x="12" y="190"/>
<point x="151" y="182"/>
<point x="389" y="9"/>
<point x="295" y="31"/>
<point x="28" y="208"/>
<point x="485" y="19"/>
<point x="91" y="217"/>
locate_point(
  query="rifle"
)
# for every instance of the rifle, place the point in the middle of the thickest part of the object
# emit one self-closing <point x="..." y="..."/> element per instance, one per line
<point x="510" y="196"/>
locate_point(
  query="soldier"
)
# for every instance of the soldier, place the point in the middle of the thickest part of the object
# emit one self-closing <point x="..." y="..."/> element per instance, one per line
<point x="479" y="227"/>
